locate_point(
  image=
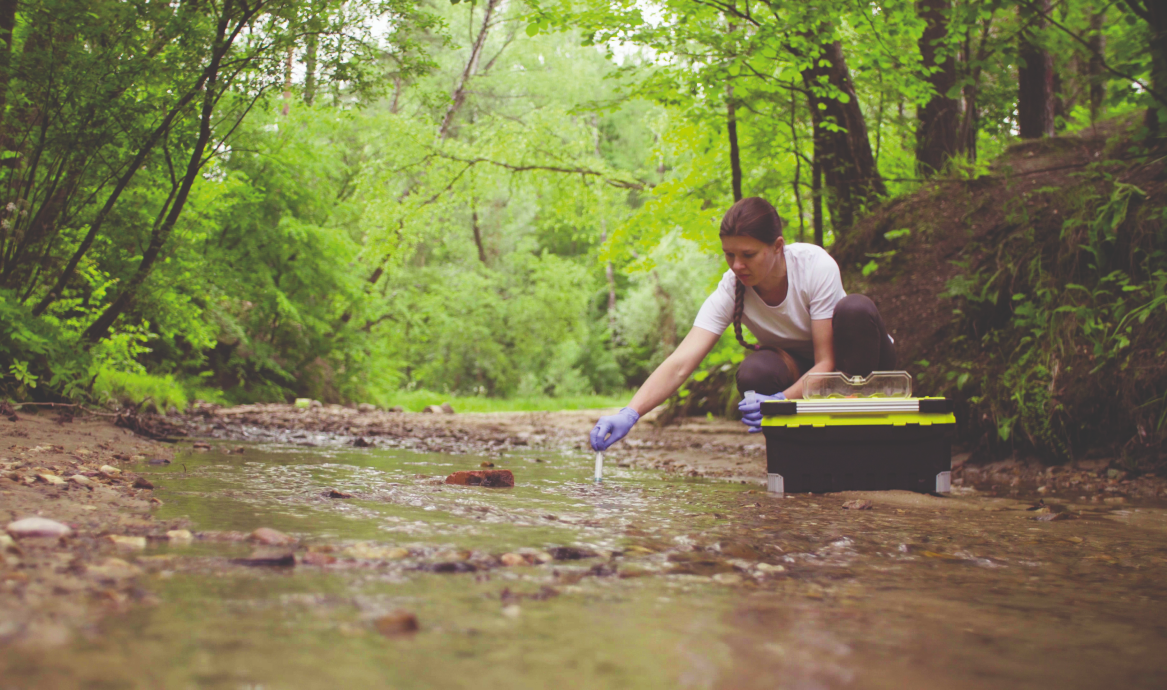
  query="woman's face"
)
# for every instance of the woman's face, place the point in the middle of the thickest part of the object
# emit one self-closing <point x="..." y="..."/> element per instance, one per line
<point x="751" y="260"/>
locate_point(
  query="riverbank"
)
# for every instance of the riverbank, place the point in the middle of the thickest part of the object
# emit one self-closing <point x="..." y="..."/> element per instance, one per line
<point x="696" y="446"/>
<point x="96" y="480"/>
<point x="74" y="475"/>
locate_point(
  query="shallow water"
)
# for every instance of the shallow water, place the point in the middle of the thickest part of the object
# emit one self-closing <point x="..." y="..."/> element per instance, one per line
<point x="695" y="584"/>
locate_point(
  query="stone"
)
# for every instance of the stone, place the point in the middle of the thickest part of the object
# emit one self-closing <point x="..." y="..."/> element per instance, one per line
<point x="317" y="558"/>
<point x="142" y="483"/>
<point x="7" y="544"/>
<point x="127" y="543"/>
<point x="447" y="408"/>
<point x="112" y="569"/>
<point x="768" y="568"/>
<point x="432" y="409"/>
<point x="858" y="504"/>
<point x="267" y="558"/>
<point x="372" y="552"/>
<point x="38" y="527"/>
<point x="487" y="478"/>
<point x="365" y="408"/>
<point x="512" y="611"/>
<point x="179" y="536"/>
<point x="333" y="493"/>
<point x="271" y="537"/>
<point x="50" y="479"/>
<point x="728" y="578"/>
<point x="110" y="472"/>
<point x="201" y="445"/>
<point x="569" y="553"/>
<point x="397" y="408"/>
<point x="512" y="559"/>
<point x="364" y="443"/>
<point x="396" y="624"/>
<point x="81" y="480"/>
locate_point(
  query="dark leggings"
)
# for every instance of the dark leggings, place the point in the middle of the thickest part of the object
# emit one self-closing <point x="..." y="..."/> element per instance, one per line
<point x="861" y="347"/>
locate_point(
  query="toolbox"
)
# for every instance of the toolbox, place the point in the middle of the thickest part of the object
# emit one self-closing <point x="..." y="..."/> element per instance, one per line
<point x="858" y="434"/>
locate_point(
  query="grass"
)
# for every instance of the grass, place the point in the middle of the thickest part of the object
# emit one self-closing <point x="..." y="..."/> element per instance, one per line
<point x="415" y="401"/>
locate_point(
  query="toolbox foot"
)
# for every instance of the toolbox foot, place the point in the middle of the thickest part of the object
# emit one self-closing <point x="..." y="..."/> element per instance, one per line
<point x="775" y="484"/>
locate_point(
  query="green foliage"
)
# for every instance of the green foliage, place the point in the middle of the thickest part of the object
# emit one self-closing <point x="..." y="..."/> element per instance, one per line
<point x="1064" y="325"/>
<point x="141" y="391"/>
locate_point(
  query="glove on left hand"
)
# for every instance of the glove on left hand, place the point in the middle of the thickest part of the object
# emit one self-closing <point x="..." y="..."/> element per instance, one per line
<point x="752" y="410"/>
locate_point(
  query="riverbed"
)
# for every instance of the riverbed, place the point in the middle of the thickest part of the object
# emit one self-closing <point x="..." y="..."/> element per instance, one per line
<point x="646" y="580"/>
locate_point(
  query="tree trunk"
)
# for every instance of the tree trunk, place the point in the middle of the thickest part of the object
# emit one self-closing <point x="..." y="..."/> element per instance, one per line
<point x="1035" y="80"/>
<point x="735" y="160"/>
<point x="7" y="24"/>
<point x="1095" y="75"/>
<point x="936" y="133"/>
<point x="852" y="181"/>
<point x="111" y="201"/>
<point x="477" y="235"/>
<point x="816" y="187"/>
<point x="459" y="95"/>
<point x="99" y="328"/>
<point x="310" y="52"/>
<point x="1155" y="14"/>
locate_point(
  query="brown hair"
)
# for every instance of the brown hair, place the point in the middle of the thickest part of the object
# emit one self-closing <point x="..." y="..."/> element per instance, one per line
<point x="753" y="217"/>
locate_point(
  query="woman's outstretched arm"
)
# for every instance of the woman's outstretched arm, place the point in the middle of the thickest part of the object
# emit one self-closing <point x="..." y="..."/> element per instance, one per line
<point x="673" y="372"/>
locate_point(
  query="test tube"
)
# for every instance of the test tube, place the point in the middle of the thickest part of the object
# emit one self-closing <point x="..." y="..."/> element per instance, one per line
<point x="599" y="467"/>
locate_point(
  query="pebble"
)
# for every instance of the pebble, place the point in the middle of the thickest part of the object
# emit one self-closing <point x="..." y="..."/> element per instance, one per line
<point x="109" y="471"/>
<point x="333" y="493"/>
<point x="727" y="578"/>
<point x="180" y="536"/>
<point x="768" y="568"/>
<point x="371" y="552"/>
<point x="397" y="623"/>
<point x="512" y="559"/>
<point x="142" y="483"/>
<point x="38" y="527"/>
<point x="487" y="478"/>
<point x="7" y="543"/>
<point x="80" y="479"/>
<point x="269" y="558"/>
<point x="50" y="479"/>
<point x="129" y="543"/>
<point x="858" y="504"/>
<point x="271" y="537"/>
<point x="512" y="611"/>
<point x="113" y="568"/>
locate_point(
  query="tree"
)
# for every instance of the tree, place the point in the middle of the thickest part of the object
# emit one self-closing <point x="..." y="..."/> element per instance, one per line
<point x="1035" y="77"/>
<point x="936" y="133"/>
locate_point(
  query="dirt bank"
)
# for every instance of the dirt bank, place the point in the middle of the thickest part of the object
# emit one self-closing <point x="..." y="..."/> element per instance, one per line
<point x="71" y="474"/>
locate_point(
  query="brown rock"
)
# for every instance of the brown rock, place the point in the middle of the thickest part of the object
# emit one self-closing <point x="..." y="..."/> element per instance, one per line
<point x="396" y="624"/>
<point x="447" y="408"/>
<point x="333" y="493"/>
<point x="142" y="483"/>
<point x="488" y="478"/>
<point x="271" y="537"/>
<point x="316" y="558"/>
<point x="267" y="558"/>
<point x="858" y="504"/>
<point x="512" y="559"/>
<point x="364" y="443"/>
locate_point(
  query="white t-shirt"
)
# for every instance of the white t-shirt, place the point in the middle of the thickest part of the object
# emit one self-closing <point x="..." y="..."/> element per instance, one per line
<point x="815" y="289"/>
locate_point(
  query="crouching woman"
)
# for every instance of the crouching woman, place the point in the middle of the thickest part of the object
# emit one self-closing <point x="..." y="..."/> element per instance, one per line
<point x="791" y="297"/>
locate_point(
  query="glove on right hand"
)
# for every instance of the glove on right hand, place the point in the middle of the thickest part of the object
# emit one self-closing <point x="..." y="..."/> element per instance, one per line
<point x="613" y="428"/>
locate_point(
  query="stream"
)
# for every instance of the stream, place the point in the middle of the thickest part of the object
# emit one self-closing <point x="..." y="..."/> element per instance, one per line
<point x="646" y="580"/>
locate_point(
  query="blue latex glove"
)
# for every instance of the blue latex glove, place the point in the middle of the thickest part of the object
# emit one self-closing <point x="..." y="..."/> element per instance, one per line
<point x="613" y="428"/>
<point x="752" y="410"/>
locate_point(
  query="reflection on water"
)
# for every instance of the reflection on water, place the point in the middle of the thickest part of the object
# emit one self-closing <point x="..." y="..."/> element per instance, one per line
<point x="689" y="584"/>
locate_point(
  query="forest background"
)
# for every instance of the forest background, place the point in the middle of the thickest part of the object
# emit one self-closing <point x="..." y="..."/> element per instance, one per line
<point x="516" y="202"/>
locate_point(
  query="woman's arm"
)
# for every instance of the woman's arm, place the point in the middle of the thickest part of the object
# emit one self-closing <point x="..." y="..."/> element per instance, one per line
<point x="822" y="334"/>
<point x="673" y="372"/>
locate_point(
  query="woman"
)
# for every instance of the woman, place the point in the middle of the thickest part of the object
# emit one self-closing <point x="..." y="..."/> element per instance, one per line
<point x="792" y="299"/>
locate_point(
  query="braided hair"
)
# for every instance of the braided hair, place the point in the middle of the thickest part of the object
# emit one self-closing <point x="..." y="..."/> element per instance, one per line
<point x="754" y="217"/>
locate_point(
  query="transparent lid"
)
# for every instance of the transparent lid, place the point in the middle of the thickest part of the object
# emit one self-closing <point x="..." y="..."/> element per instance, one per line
<point x="879" y="384"/>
